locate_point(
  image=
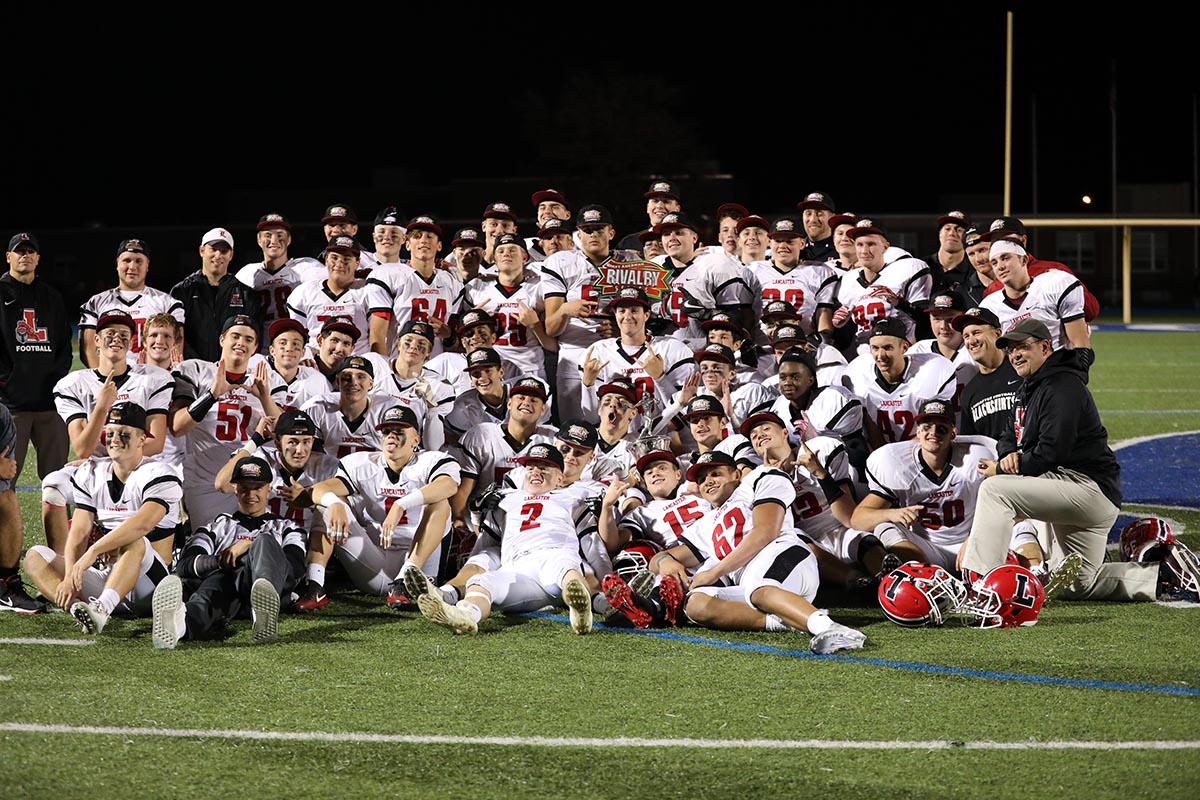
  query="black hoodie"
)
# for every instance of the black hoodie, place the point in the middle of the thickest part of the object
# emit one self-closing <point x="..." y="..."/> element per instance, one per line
<point x="1054" y="424"/>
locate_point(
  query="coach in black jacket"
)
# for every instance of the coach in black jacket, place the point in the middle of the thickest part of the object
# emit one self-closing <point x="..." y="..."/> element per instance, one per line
<point x="1055" y="466"/>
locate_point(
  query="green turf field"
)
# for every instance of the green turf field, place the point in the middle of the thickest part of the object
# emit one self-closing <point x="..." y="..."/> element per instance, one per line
<point x="365" y="702"/>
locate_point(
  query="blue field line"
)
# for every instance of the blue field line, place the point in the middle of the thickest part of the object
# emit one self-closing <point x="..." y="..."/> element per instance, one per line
<point x="1146" y="688"/>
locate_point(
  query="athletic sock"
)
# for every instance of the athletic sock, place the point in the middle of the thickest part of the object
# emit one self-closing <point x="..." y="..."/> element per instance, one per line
<point x="819" y="622"/>
<point x="316" y="574"/>
<point x="774" y="623"/>
<point x="108" y="600"/>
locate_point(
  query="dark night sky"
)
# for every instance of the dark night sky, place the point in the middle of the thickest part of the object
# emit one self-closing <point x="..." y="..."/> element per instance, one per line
<point x="126" y="122"/>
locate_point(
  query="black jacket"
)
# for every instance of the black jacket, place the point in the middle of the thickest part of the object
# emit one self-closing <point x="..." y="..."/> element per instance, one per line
<point x="1055" y="424"/>
<point x="35" y="343"/>
<point x="206" y="307"/>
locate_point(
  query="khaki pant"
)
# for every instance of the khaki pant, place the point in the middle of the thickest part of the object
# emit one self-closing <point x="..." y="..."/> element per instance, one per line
<point x="1079" y="517"/>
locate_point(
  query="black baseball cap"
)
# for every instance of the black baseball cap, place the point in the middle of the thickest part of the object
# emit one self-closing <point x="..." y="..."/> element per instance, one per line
<point x="788" y="333"/>
<point x="128" y="413"/>
<point x="1028" y="328"/>
<point x="620" y="386"/>
<point x="954" y="217"/>
<point x="715" y="352"/>
<point x="133" y="246"/>
<point x="295" y="422"/>
<point x="342" y="324"/>
<point x="343" y="244"/>
<point x="786" y="228"/>
<point x="1004" y="226"/>
<point x="511" y="238"/>
<point x="340" y="212"/>
<point x="27" y="239"/>
<point x="797" y="355"/>
<point x="661" y="189"/>
<point x="780" y="308"/>
<point x="240" y="319"/>
<point x="934" y="409"/>
<point x="467" y="236"/>
<point x="972" y="237"/>
<point x="397" y="416"/>
<point x="499" y="211"/>
<point x="593" y="214"/>
<point x="273" y="220"/>
<point x="631" y="296"/>
<point x="724" y="322"/>
<point x="676" y="219"/>
<point x="946" y="301"/>
<point x="579" y="432"/>
<point x="474" y="318"/>
<point x="115" y="316"/>
<point x="703" y="406"/>
<point x="889" y="326"/>
<point x="389" y="216"/>
<point x="734" y="211"/>
<point x="424" y="222"/>
<point x="542" y="453"/>
<point x="483" y="357"/>
<point x="530" y="386"/>
<point x="251" y="469"/>
<point x="418" y="327"/>
<point x="759" y="417"/>
<point x="355" y="362"/>
<point x="976" y="316"/>
<point x="554" y="227"/>
<point x="706" y="461"/>
<point x="866" y="227"/>
<point x="816" y="200"/>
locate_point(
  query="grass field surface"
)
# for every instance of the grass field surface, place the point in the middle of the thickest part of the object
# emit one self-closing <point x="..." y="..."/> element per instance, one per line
<point x="1098" y="700"/>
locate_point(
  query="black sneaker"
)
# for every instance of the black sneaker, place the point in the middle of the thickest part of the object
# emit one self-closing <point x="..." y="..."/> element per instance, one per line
<point x="312" y="598"/>
<point x="398" y="599"/>
<point x="13" y="597"/>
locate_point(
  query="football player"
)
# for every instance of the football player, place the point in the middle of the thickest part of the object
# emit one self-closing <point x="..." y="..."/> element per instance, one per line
<point x="245" y="563"/>
<point x="119" y="546"/>
<point x="277" y="275"/>
<point x="1053" y="297"/>
<point x="347" y="419"/>
<point x="341" y="294"/>
<point x="809" y="287"/>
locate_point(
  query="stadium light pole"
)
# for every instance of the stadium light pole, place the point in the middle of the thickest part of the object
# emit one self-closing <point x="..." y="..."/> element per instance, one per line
<point x="1008" y="119"/>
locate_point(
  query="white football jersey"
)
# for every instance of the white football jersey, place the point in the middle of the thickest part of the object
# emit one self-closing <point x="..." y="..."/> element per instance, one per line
<point x="145" y="384"/>
<point x="375" y="487"/>
<point x="550" y="522"/>
<point x="320" y="467"/>
<point x="664" y="521"/>
<point x="734" y="445"/>
<point x="626" y="362"/>
<point x="139" y="305"/>
<point x="965" y="369"/>
<point x="894" y="408"/>
<point x="487" y="451"/>
<point x="226" y="530"/>
<point x="312" y="303"/>
<point x="807" y="287"/>
<point x="405" y="294"/>
<point x="611" y="461"/>
<point x="718" y="532"/>
<point x="1054" y="298"/>
<point x="274" y="288"/>
<point x="811" y="510"/>
<point x="897" y="473"/>
<point x="411" y="392"/>
<point x="516" y="344"/>
<point x="905" y="282"/>
<point x="470" y="410"/>
<point x="290" y="395"/>
<point x="714" y="279"/>
<point x="227" y="425"/>
<point x="338" y="436"/>
<point x="570" y="275"/>
<point x="111" y="502"/>
<point x="833" y="412"/>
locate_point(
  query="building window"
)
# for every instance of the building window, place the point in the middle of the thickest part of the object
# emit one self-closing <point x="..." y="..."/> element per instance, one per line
<point x="1076" y="249"/>
<point x="1148" y="251"/>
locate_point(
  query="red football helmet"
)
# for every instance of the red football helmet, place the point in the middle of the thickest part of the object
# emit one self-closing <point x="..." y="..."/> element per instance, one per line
<point x="1014" y="558"/>
<point x="1141" y="538"/>
<point x="1008" y="597"/>
<point x="634" y="558"/>
<point x="917" y="595"/>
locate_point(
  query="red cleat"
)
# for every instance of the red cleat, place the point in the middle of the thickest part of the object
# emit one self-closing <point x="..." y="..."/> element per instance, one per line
<point x="621" y="598"/>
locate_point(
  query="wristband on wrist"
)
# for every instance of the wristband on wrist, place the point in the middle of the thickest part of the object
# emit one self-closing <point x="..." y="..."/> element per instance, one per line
<point x="258" y="439"/>
<point x="328" y="500"/>
<point x="201" y="405"/>
<point x="832" y="489"/>
<point x="411" y="500"/>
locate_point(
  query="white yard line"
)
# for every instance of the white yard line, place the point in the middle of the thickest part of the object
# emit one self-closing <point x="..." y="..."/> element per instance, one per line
<point x="55" y="642"/>
<point x="546" y="741"/>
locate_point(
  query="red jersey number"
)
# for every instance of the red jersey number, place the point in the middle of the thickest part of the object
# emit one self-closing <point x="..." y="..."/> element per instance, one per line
<point x="729" y="531"/>
<point x="896" y="428"/>
<point x="229" y="427"/>
<point x="680" y="518"/>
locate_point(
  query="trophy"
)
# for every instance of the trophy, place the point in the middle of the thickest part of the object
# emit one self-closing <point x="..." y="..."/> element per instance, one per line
<point x="647" y="440"/>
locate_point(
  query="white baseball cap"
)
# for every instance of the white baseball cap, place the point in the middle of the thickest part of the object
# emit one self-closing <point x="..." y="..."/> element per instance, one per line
<point x="218" y="235"/>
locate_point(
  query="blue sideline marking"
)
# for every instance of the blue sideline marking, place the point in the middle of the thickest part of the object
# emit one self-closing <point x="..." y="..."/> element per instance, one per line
<point x="1161" y="471"/>
<point x="904" y="665"/>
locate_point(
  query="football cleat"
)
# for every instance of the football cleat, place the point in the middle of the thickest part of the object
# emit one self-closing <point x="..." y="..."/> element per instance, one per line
<point x="397" y="599"/>
<point x="623" y="600"/>
<point x="579" y="605"/>
<point x="264" y="611"/>
<point x="642" y="584"/>
<point x="1062" y="576"/>
<point x="90" y="616"/>
<point x="837" y="637"/>
<point x="671" y="594"/>
<point x="314" y="597"/>
<point x="170" y="616"/>
<point x="416" y="582"/>
<point x="439" y="612"/>
<point x="13" y="597"/>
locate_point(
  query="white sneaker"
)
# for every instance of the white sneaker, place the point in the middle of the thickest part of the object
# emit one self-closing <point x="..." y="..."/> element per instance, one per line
<point x="170" y="617"/>
<point x="90" y="616"/>
<point x="417" y="583"/>
<point x="264" y="611"/>
<point x="579" y="604"/>
<point x="439" y="612"/>
<point x="837" y="637"/>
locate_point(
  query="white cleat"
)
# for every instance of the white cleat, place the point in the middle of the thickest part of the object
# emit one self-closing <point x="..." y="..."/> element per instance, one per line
<point x="170" y="617"/>
<point x="90" y="616"/>
<point x="1061" y="576"/>
<point x="439" y="612"/>
<point x="837" y="637"/>
<point x="417" y="583"/>
<point x="579" y="604"/>
<point x="264" y="611"/>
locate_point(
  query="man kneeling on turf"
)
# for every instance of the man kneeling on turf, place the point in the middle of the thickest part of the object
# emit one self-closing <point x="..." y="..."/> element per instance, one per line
<point x="244" y="561"/>
<point x="540" y="562"/>
<point x="751" y="558"/>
